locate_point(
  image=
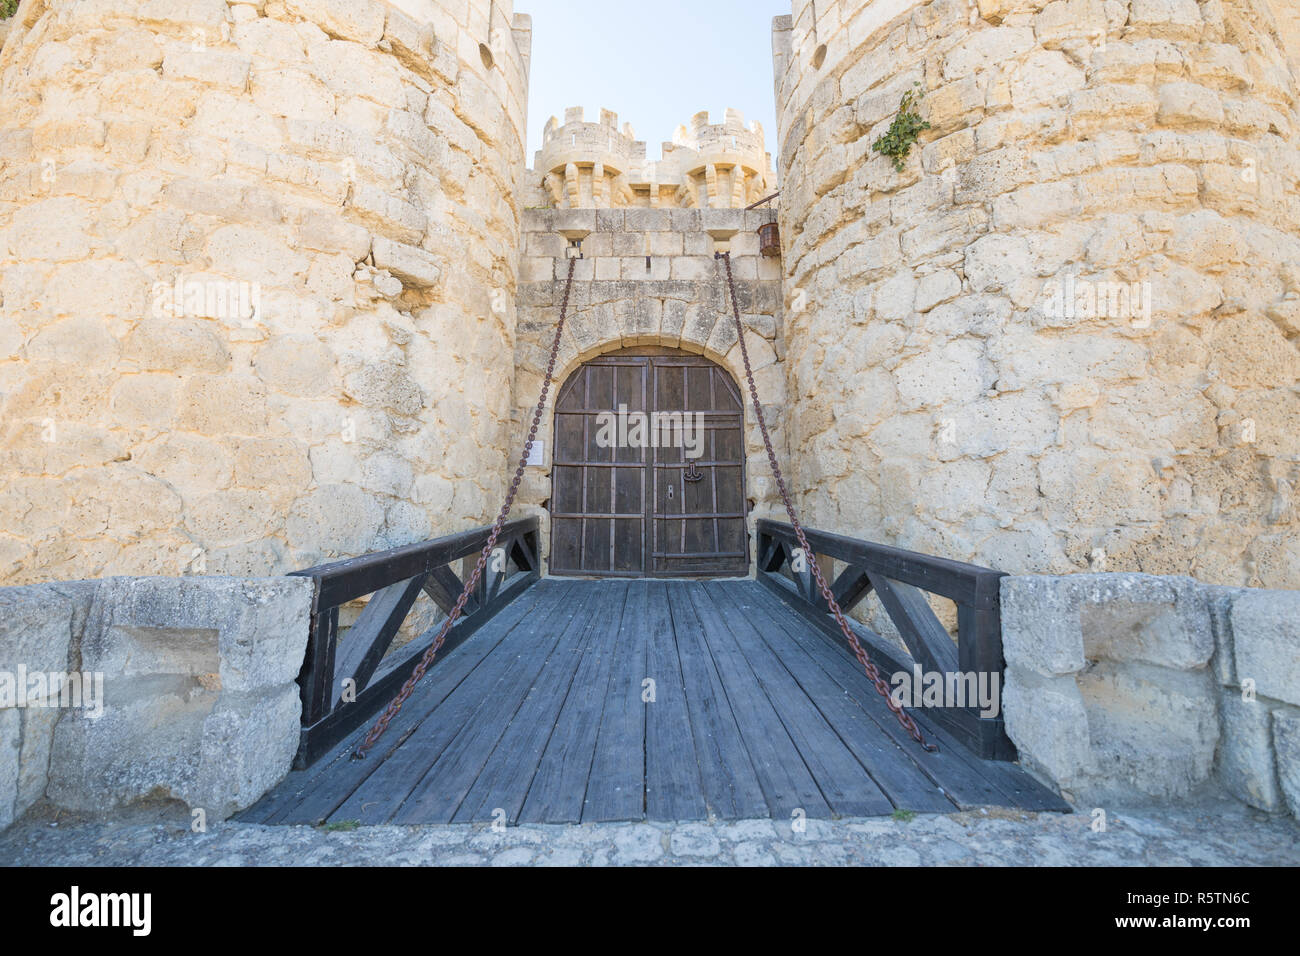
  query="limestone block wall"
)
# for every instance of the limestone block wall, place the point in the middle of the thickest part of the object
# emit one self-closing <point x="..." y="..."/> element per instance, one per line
<point x="125" y="689"/>
<point x="680" y="301"/>
<point x="1143" y="687"/>
<point x="258" y="270"/>
<point x="1065" y="336"/>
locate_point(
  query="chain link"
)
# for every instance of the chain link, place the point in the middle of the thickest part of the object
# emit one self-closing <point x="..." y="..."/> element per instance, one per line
<point x="395" y="705"/>
<point x="855" y="645"/>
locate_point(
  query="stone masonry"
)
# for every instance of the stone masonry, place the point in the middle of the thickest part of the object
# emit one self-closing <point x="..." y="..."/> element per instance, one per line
<point x="277" y="287"/>
<point x="597" y="166"/>
<point x="196" y="702"/>
<point x="1070" y="324"/>
<point x="649" y="277"/>
<point x="1131" y="687"/>
<point x="257" y="263"/>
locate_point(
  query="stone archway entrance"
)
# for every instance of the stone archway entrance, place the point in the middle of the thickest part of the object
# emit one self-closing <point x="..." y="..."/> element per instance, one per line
<point x="648" y="474"/>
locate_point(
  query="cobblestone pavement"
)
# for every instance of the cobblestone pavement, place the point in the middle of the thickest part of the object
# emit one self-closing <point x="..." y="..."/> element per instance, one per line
<point x="1226" y="835"/>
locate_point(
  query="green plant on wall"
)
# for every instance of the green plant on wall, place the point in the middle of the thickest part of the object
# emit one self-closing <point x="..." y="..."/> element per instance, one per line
<point x="897" y="141"/>
<point x="8" y="8"/>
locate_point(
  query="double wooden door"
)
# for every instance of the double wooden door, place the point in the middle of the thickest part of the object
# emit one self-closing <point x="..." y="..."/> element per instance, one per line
<point x="648" y="474"/>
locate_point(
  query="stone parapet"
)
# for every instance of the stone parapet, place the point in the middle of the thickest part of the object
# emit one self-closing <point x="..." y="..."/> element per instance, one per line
<point x="1136" y="686"/>
<point x="149" y="688"/>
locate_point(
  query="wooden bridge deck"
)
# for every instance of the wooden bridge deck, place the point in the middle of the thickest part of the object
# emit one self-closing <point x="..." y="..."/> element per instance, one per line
<point x="540" y="714"/>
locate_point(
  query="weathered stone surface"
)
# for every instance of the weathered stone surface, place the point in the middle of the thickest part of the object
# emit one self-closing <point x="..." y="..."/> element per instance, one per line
<point x="1060" y="135"/>
<point x="1107" y="690"/>
<point x="1048" y="722"/>
<point x="1218" y="601"/>
<point x="1052" y="624"/>
<point x="1040" y="626"/>
<point x="38" y="623"/>
<point x="1217" y="833"/>
<point x="1153" y="731"/>
<point x="1246" y="763"/>
<point x="227" y="218"/>
<point x="40" y="628"/>
<point x="1266" y="642"/>
<point x="1286" y="749"/>
<point x="200" y="703"/>
<point x="10" y="738"/>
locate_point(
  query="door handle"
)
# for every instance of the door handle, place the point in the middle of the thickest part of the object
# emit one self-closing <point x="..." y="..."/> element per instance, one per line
<point x="670" y="492"/>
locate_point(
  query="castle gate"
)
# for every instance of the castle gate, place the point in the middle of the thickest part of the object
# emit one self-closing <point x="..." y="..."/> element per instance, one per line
<point x="648" y="471"/>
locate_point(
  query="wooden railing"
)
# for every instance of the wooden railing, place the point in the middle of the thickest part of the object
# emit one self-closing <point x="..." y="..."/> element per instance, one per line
<point x="899" y="579"/>
<point x="331" y="706"/>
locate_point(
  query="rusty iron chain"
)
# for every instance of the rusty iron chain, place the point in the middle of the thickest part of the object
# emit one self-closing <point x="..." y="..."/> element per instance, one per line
<point x="855" y="645"/>
<point x="395" y="705"/>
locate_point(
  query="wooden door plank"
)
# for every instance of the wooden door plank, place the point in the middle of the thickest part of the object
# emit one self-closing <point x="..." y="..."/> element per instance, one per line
<point x="727" y="775"/>
<point x="559" y="787"/>
<point x="617" y="783"/>
<point x="893" y="772"/>
<point x="544" y="669"/>
<point x="842" y="781"/>
<point x="311" y="795"/>
<point x="673" y="790"/>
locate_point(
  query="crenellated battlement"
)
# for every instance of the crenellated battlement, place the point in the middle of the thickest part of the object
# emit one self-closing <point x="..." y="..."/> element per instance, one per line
<point x="598" y="165"/>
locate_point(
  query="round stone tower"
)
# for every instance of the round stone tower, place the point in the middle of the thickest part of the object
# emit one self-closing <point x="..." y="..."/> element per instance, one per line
<point x="259" y="263"/>
<point x="1063" y="336"/>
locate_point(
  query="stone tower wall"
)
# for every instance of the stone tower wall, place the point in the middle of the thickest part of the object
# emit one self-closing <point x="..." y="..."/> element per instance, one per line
<point x="258" y="283"/>
<point x="954" y="384"/>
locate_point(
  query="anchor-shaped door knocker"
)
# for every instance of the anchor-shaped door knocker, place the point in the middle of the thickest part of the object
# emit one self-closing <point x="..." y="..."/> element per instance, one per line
<point x="692" y="472"/>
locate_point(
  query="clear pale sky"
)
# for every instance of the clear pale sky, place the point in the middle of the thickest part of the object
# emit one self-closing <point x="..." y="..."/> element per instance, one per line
<point x="654" y="63"/>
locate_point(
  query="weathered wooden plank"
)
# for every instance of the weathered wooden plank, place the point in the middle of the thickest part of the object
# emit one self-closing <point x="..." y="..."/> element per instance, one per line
<point x="673" y="790"/>
<point x="316" y="677"/>
<point x="617" y="783"/>
<point x="541" y="668"/>
<point x="512" y="662"/>
<point x="444" y="587"/>
<point x="363" y="647"/>
<point x="845" y="784"/>
<point x="509" y="770"/>
<point x="925" y="637"/>
<point x="310" y="795"/>
<point x="347" y="580"/>
<point x="850" y="588"/>
<point x="787" y="784"/>
<point x="957" y="580"/>
<point x="730" y="783"/>
<point x="892" y="770"/>
<point x="963" y="723"/>
<point x="559" y="786"/>
<point x="320" y="737"/>
<point x="963" y="781"/>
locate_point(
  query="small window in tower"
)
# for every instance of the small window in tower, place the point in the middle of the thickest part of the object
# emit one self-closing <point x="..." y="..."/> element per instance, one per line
<point x="485" y="54"/>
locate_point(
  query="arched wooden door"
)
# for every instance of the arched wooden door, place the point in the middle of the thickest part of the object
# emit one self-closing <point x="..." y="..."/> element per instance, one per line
<point x="665" y="499"/>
